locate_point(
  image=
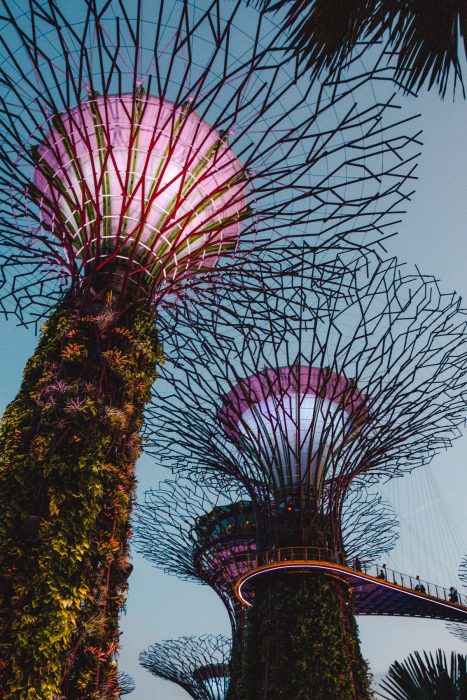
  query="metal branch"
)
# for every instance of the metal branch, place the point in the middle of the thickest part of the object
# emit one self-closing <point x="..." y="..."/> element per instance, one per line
<point x="200" y="665"/>
<point x="292" y="159"/>
<point x="376" y="364"/>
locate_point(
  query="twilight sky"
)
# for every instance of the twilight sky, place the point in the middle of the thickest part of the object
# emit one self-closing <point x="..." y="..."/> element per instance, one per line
<point x="431" y="502"/>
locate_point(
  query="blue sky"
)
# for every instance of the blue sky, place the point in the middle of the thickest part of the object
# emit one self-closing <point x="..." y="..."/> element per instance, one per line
<point x="432" y="236"/>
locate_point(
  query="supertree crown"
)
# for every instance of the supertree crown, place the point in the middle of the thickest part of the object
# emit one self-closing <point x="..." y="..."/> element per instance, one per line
<point x="296" y="416"/>
<point x="188" y="520"/>
<point x="200" y="665"/>
<point x="139" y="179"/>
<point x="144" y="147"/>
<point x="374" y="388"/>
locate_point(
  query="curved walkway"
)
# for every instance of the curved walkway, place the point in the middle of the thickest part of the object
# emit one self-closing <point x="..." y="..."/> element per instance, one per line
<point x="393" y="595"/>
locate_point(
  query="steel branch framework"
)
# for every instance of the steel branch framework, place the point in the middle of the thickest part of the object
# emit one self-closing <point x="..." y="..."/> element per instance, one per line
<point x="171" y="515"/>
<point x="384" y="365"/>
<point x="127" y="684"/>
<point x="144" y="145"/>
<point x="205" y="534"/>
<point x="200" y="665"/>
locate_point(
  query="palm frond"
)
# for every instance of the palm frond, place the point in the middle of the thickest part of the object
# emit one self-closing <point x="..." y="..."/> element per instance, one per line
<point x="426" y="678"/>
<point x="424" y="37"/>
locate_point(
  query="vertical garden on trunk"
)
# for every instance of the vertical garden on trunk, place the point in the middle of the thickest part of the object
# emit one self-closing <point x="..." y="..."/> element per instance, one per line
<point x="302" y="641"/>
<point x="68" y="445"/>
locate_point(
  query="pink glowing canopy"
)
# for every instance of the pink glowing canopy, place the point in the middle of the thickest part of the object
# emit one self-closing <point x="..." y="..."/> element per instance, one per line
<point x="295" y="419"/>
<point x="139" y="180"/>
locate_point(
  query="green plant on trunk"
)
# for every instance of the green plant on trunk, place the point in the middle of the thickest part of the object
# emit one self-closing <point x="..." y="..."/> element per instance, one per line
<point x="301" y="642"/>
<point x="68" y="446"/>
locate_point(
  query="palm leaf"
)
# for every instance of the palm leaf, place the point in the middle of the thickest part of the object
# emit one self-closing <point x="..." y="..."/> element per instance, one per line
<point x="424" y="36"/>
<point x="426" y="678"/>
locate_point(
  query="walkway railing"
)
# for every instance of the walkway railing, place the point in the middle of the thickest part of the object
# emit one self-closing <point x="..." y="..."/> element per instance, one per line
<point x="415" y="584"/>
<point x="381" y="571"/>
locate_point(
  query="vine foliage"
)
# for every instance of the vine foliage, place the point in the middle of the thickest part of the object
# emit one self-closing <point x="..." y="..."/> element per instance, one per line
<point x="68" y="445"/>
<point x="301" y="642"/>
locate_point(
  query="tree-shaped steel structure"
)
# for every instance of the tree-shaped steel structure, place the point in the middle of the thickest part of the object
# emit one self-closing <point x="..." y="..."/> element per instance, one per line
<point x="127" y="684"/>
<point x="200" y="665"/>
<point x="356" y="387"/>
<point x="136" y="151"/>
<point x="143" y="147"/>
<point x="205" y="534"/>
<point x="198" y="532"/>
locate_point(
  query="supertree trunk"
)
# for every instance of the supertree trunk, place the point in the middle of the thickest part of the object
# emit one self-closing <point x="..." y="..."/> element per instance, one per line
<point x="68" y="444"/>
<point x="301" y="642"/>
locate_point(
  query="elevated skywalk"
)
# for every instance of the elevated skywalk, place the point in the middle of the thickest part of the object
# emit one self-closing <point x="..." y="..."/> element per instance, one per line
<point x="374" y="591"/>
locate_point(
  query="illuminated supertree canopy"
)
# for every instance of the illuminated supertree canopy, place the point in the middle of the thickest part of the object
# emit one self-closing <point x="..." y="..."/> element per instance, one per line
<point x="200" y="665"/>
<point x="144" y="147"/>
<point x="138" y="179"/>
<point x="357" y="387"/>
<point x="365" y="382"/>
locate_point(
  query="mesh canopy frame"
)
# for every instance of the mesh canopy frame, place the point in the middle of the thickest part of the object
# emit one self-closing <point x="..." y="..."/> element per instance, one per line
<point x="400" y="339"/>
<point x="196" y="664"/>
<point x="320" y="160"/>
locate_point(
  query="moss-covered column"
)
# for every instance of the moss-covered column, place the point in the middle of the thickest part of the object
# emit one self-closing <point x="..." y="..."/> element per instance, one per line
<point x="68" y="445"/>
<point x="301" y="642"/>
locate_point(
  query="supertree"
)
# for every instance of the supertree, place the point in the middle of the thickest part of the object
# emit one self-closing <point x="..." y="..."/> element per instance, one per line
<point x="206" y="533"/>
<point x="357" y="387"/>
<point x="135" y="152"/>
<point x="200" y="665"/>
<point x="127" y="684"/>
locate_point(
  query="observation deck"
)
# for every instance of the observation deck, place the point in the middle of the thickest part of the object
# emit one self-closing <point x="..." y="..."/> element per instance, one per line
<point x="375" y="590"/>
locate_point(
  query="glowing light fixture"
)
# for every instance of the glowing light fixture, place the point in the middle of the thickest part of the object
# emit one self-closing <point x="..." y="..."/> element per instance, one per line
<point x="140" y="180"/>
<point x="296" y="418"/>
